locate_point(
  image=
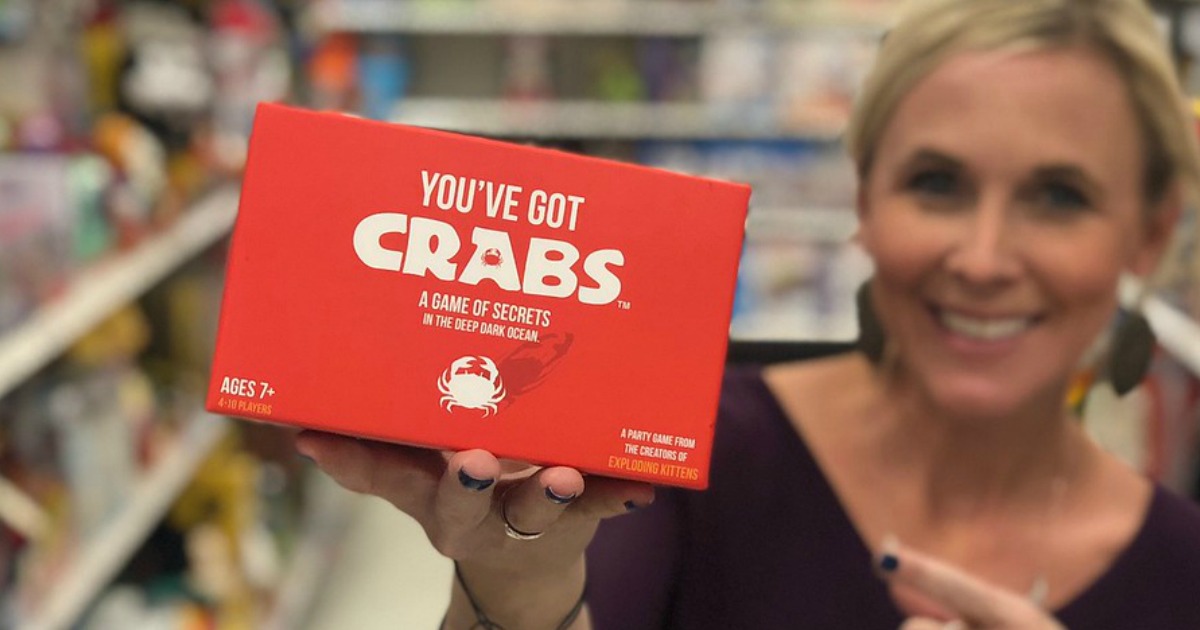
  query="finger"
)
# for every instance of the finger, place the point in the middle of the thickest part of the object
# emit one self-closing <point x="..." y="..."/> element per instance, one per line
<point x="964" y="595"/>
<point x="533" y="505"/>
<point x="607" y="497"/>
<point x="403" y="475"/>
<point x="925" y="623"/>
<point x="463" y="501"/>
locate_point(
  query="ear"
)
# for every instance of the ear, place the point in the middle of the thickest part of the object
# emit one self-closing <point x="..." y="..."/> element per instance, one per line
<point x="1157" y="232"/>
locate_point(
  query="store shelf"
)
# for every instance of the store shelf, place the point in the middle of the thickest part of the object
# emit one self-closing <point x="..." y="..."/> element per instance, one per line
<point x="603" y="120"/>
<point x="805" y="225"/>
<point x="99" y="559"/>
<point x="327" y="521"/>
<point x="671" y="18"/>
<point x="98" y="292"/>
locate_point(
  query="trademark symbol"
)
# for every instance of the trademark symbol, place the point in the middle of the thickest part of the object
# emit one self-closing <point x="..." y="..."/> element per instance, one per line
<point x="623" y="305"/>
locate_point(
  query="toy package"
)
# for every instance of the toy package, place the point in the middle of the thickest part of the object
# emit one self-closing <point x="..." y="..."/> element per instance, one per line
<point x="428" y="288"/>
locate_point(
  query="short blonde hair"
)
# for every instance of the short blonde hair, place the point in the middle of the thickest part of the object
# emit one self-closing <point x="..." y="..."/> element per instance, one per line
<point x="1124" y="31"/>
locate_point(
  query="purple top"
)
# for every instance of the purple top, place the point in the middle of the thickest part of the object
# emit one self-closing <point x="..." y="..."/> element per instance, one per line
<point x="768" y="545"/>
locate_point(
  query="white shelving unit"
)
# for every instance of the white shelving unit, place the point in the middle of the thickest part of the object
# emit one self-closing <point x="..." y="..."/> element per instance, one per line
<point x="627" y="18"/>
<point x="93" y="295"/>
<point x="596" y="119"/>
<point x="1176" y="332"/>
<point x="99" y="291"/>
<point x="821" y="225"/>
<point x="670" y="18"/>
<point x="100" y="558"/>
<point x="324" y="528"/>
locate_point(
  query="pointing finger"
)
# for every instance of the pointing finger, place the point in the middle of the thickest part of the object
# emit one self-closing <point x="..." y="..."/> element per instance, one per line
<point x="608" y="497"/>
<point x="924" y="623"/>
<point x="968" y="597"/>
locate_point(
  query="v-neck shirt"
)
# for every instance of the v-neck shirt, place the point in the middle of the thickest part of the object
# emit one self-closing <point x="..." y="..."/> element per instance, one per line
<point x="769" y="545"/>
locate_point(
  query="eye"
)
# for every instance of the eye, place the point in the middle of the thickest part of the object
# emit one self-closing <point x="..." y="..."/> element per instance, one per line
<point x="1061" y="197"/>
<point x="934" y="183"/>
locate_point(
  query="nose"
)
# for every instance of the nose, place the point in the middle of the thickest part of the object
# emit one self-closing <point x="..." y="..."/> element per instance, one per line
<point x="983" y="254"/>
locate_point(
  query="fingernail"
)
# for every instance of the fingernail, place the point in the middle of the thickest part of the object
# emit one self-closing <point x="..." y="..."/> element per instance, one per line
<point x="888" y="560"/>
<point x="472" y="483"/>
<point x="557" y="498"/>
<point x="631" y="506"/>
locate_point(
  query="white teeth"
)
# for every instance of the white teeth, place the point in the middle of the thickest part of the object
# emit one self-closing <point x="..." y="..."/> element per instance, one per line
<point x="986" y="329"/>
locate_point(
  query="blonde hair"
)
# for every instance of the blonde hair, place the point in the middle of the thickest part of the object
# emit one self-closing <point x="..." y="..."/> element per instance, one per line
<point x="1124" y="31"/>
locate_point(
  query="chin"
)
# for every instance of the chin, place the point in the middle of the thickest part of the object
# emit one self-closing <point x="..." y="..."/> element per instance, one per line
<point x="982" y="399"/>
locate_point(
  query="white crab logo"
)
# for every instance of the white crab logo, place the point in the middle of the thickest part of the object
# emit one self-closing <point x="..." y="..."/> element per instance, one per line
<point x="471" y="383"/>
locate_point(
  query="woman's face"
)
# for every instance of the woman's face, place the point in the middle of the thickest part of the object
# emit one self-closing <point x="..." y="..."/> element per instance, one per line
<point x="1004" y="200"/>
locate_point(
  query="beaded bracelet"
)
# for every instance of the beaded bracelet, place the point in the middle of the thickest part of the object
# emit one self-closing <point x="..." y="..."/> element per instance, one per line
<point x="481" y="618"/>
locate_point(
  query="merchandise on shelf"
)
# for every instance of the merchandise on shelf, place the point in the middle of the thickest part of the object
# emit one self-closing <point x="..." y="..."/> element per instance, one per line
<point x="735" y="75"/>
<point x="667" y="69"/>
<point x="36" y="232"/>
<point x="115" y="117"/>
<point x="752" y="78"/>
<point x="247" y="51"/>
<point x="85" y="437"/>
<point x="110" y="135"/>
<point x="817" y="76"/>
<point x="798" y="270"/>
<point x="79" y="438"/>
<point x="383" y="76"/>
<point x="331" y="72"/>
<point x="783" y="174"/>
<point x="527" y="68"/>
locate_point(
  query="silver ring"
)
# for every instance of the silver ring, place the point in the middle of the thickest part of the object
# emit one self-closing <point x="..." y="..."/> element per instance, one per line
<point x="513" y="532"/>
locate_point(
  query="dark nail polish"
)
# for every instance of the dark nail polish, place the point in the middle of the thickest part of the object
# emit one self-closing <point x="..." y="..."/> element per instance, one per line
<point x="889" y="563"/>
<point x="550" y="494"/>
<point x="631" y="506"/>
<point x="472" y="483"/>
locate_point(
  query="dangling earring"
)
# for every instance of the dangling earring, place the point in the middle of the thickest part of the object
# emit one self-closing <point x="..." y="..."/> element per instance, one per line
<point x="1132" y="348"/>
<point x="871" y="339"/>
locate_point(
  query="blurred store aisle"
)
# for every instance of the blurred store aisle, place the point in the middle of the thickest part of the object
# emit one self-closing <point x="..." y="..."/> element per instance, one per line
<point x="386" y="576"/>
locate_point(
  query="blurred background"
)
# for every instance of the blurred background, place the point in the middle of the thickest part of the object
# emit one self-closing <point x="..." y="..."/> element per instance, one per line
<point x="123" y="132"/>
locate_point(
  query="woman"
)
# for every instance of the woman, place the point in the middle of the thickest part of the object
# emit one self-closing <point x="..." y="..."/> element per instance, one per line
<point x="1015" y="159"/>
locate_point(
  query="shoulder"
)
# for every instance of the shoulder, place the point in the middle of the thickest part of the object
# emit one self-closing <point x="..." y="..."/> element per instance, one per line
<point x="749" y="419"/>
<point x="754" y="415"/>
<point x="760" y="453"/>
<point x="1153" y="583"/>
<point x="744" y="394"/>
<point x="769" y="409"/>
<point x="1172" y="532"/>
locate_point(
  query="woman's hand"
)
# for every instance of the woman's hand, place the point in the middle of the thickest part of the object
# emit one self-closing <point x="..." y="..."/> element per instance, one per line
<point x="967" y="602"/>
<point x="462" y="499"/>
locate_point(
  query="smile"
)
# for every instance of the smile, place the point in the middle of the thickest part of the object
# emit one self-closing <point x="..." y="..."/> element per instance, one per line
<point x="984" y="329"/>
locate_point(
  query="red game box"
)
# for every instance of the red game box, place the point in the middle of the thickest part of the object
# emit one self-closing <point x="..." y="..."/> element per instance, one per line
<point x="423" y="287"/>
